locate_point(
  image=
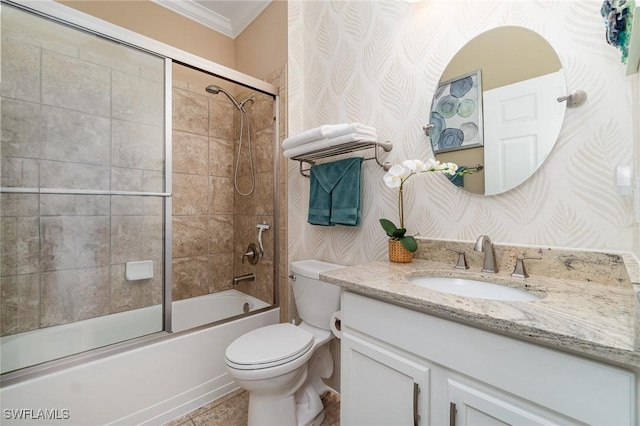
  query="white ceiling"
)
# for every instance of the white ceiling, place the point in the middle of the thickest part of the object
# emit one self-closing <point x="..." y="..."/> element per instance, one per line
<point x="229" y="17"/>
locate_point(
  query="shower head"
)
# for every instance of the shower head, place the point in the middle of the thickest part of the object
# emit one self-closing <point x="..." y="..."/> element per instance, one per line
<point x="214" y="90"/>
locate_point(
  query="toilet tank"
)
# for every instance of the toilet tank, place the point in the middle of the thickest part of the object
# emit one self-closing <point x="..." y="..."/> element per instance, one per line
<point x="316" y="300"/>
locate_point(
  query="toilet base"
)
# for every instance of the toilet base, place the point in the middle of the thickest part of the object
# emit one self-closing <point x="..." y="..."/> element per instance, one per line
<point x="318" y="420"/>
<point x="292" y="399"/>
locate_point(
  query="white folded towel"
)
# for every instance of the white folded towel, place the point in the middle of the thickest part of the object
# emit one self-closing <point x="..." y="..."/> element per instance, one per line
<point x="327" y="143"/>
<point x="328" y="131"/>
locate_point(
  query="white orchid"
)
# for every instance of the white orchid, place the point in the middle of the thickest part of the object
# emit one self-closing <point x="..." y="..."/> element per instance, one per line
<point x="415" y="165"/>
<point x="395" y="176"/>
<point x="398" y="175"/>
<point x="449" y="168"/>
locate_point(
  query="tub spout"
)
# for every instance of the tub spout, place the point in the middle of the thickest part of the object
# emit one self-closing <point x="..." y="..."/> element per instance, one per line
<point x="241" y="278"/>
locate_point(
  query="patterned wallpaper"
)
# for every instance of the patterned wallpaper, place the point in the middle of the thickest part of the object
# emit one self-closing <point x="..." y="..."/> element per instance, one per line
<point x="378" y="62"/>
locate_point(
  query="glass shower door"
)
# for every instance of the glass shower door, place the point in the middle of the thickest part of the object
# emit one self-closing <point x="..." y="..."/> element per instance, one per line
<point x="83" y="185"/>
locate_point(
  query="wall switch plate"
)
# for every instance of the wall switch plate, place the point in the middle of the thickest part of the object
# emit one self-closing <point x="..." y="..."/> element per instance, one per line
<point x="141" y="270"/>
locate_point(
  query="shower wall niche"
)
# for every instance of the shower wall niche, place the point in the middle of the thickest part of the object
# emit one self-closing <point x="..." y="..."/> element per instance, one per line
<point x="82" y="120"/>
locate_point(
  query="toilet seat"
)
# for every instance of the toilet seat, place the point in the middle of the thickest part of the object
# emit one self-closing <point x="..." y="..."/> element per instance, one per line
<point x="268" y="346"/>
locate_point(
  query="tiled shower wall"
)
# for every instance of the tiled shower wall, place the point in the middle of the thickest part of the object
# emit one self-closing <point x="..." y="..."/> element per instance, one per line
<point x="78" y="112"/>
<point x="212" y="223"/>
<point x="202" y="241"/>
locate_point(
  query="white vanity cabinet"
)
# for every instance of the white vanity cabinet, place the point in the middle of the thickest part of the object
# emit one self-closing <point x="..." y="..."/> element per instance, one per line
<point x="402" y="367"/>
<point x="388" y="388"/>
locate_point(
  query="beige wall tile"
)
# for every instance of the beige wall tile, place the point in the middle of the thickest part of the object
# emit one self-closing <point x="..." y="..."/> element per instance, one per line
<point x="262" y="112"/>
<point x="19" y="172"/>
<point x="77" y="85"/>
<point x="20" y="245"/>
<point x="75" y="137"/>
<point x="111" y="54"/>
<point x="220" y="272"/>
<point x="74" y="205"/>
<point x="58" y="174"/>
<point x="20" y="123"/>
<point x="18" y="205"/>
<point x="20" y="70"/>
<point x="190" y="277"/>
<point x="190" y="236"/>
<point x="136" y="206"/>
<point x="127" y="295"/>
<point x="244" y="204"/>
<point x="222" y="113"/>
<point x="137" y="180"/>
<point x="221" y="157"/>
<point x="136" y="145"/>
<point x="190" y="194"/>
<point x="190" y="153"/>
<point x="263" y="287"/>
<point x="221" y="195"/>
<point x="264" y="194"/>
<point x="74" y="295"/>
<point x="263" y="150"/>
<point x="190" y="112"/>
<point x="137" y="99"/>
<point x="221" y="233"/>
<point x="136" y="238"/>
<point x="71" y="242"/>
<point x="19" y="303"/>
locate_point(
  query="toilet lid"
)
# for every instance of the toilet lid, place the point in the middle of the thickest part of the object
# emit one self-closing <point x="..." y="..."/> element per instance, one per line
<point x="269" y="346"/>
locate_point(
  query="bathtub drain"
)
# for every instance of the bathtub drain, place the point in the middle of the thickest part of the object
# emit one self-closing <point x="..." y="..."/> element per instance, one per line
<point x="246" y="308"/>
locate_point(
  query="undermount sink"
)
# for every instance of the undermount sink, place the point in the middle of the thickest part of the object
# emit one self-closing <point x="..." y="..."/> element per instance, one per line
<point x="473" y="288"/>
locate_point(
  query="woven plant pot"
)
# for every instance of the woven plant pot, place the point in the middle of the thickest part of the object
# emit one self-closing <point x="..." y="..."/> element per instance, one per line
<point x="399" y="254"/>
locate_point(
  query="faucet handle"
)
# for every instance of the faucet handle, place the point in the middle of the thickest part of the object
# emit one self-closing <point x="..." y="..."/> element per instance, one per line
<point x="519" y="271"/>
<point x="462" y="260"/>
<point x="251" y="254"/>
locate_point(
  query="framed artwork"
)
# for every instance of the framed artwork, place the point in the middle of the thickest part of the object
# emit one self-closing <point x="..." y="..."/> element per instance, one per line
<point x="456" y="114"/>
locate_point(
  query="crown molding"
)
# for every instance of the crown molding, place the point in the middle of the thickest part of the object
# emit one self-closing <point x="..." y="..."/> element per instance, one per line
<point x="200" y="14"/>
<point x="245" y="16"/>
<point x="230" y="26"/>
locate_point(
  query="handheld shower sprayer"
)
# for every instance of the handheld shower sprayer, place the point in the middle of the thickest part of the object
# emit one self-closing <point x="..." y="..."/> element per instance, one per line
<point x="214" y="90"/>
<point x="244" y="117"/>
<point x="261" y="226"/>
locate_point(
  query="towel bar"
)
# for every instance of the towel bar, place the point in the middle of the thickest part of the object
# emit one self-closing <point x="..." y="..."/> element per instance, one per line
<point x="311" y="157"/>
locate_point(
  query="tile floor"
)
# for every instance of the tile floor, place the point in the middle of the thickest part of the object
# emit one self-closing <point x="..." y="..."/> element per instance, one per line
<point x="231" y="410"/>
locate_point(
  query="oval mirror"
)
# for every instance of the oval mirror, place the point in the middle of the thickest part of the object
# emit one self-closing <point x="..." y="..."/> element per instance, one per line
<point x="495" y="110"/>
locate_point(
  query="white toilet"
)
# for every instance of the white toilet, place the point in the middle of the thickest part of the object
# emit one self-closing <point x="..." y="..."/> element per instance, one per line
<point x="282" y="365"/>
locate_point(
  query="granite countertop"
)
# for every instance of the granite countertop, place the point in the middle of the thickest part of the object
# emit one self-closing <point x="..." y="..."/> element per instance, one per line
<point x="582" y="317"/>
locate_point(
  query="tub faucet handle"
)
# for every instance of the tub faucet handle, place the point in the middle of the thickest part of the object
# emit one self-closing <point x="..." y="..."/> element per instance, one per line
<point x="251" y="254"/>
<point x="462" y="260"/>
<point x="519" y="271"/>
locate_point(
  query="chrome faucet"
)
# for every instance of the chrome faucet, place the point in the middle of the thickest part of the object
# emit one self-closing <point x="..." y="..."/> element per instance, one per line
<point x="485" y="245"/>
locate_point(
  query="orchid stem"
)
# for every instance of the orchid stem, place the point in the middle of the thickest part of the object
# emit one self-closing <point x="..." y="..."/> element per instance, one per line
<point x="401" y="207"/>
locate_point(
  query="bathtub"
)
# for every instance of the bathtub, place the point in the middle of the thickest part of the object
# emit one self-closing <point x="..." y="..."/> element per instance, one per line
<point x="151" y="384"/>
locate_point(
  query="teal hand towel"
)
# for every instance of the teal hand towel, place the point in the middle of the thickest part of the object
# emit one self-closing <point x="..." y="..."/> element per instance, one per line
<point x="334" y="196"/>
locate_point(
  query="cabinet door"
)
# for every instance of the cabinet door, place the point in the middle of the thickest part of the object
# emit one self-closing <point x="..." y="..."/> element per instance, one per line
<point x="381" y="387"/>
<point x="472" y="405"/>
